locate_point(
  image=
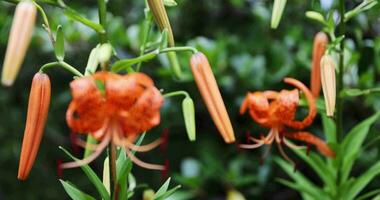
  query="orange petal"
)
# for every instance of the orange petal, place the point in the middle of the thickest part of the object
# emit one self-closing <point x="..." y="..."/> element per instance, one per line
<point x="87" y="111"/>
<point x="319" y="48"/>
<point x="311" y="101"/>
<point x="38" y="106"/>
<point x="209" y="90"/>
<point x="311" y="139"/>
<point x="19" y="39"/>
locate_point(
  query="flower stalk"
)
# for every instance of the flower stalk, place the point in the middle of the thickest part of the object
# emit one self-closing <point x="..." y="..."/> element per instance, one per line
<point x="209" y="90"/>
<point x="38" y="107"/>
<point x="19" y="39"/>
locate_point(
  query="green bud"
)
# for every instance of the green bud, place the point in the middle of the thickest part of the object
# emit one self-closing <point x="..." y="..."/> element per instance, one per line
<point x="189" y="117"/>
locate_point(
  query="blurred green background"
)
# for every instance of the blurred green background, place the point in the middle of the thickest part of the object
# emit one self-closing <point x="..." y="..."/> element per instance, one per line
<point x="246" y="55"/>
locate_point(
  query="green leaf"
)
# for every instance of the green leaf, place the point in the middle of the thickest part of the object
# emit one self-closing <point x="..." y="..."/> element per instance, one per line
<point x="362" y="181"/>
<point x="320" y="167"/>
<point x="364" y="6"/>
<point x="369" y="194"/>
<point x="301" y="180"/>
<point x="316" y="16"/>
<point x="124" y="167"/>
<point x="278" y="9"/>
<point x="106" y="174"/>
<point x="59" y="47"/>
<point x="162" y="190"/>
<point x="126" y="64"/>
<point x="74" y="192"/>
<point x="91" y="176"/>
<point x="300" y="188"/>
<point x="74" y="15"/>
<point x="170" y="3"/>
<point x="189" y="116"/>
<point x="352" y="143"/>
<point x="169" y="193"/>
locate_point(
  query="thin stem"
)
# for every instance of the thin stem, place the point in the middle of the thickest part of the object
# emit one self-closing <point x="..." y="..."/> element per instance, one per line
<point x="147" y="29"/>
<point x="102" y="9"/>
<point x="175" y="49"/>
<point x="340" y="87"/>
<point x="176" y="93"/>
<point x="112" y="166"/>
<point x="46" y="23"/>
<point x="62" y="64"/>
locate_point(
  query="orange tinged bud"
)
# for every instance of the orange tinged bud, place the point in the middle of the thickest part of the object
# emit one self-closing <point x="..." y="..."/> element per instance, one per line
<point x="319" y="48"/>
<point x="38" y="106"/>
<point x="209" y="90"/>
<point x="19" y="39"/>
<point x="328" y="83"/>
<point x="161" y="17"/>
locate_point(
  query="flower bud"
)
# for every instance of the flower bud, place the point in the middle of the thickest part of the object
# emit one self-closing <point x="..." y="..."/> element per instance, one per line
<point x="38" y="106"/>
<point x="161" y="17"/>
<point x="234" y="195"/>
<point x="277" y="11"/>
<point x="319" y="48"/>
<point x="328" y="83"/>
<point x="209" y="90"/>
<point x="19" y="39"/>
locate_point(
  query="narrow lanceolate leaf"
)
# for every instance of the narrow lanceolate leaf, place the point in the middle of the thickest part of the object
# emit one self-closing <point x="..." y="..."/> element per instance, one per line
<point x="59" y="47"/>
<point x="38" y="107"/>
<point x="319" y="48"/>
<point x="189" y="116"/>
<point x="278" y="9"/>
<point x="328" y="83"/>
<point x="161" y="17"/>
<point x="74" y="192"/>
<point x="209" y="90"/>
<point x="19" y="39"/>
<point x="352" y="144"/>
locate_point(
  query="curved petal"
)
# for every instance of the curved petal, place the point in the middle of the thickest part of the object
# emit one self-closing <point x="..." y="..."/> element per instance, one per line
<point x="311" y="101"/>
<point x="87" y="111"/>
<point x="311" y="139"/>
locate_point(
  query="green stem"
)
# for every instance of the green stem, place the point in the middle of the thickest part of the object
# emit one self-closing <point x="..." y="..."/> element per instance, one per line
<point x="340" y="87"/>
<point x="176" y="49"/>
<point x="147" y="29"/>
<point x="102" y="9"/>
<point x="62" y="64"/>
<point x="176" y="93"/>
<point x="46" y="23"/>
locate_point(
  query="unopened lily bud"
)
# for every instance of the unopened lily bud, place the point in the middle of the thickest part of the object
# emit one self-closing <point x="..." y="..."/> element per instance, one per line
<point x="209" y="90"/>
<point x="38" y="106"/>
<point x="19" y="39"/>
<point x="319" y="48"/>
<point x="328" y="83"/>
<point x="278" y="9"/>
<point x="161" y="17"/>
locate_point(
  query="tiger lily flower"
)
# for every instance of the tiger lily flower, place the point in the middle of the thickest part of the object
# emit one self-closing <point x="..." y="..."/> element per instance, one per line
<point x="209" y="90"/>
<point x="19" y="39"/>
<point x="319" y="48"/>
<point x="276" y="111"/>
<point x="38" y="107"/>
<point x="114" y="108"/>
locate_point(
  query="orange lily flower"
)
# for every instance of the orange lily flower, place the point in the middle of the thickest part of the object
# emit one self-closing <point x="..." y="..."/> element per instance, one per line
<point x="276" y="111"/>
<point x="114" y="108"/>
<point x="209" y="90"/>
<point x="319" y="48"/>
<point x="38" y="107"/>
